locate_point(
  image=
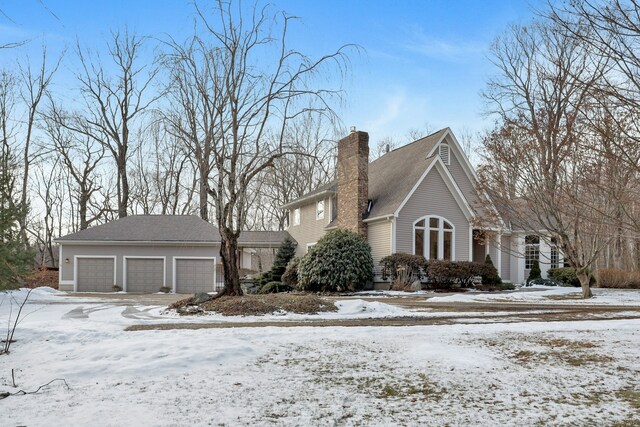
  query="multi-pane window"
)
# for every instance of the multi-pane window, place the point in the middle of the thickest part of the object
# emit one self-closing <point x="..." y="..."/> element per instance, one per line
<point x="531" y="250"/>
<point x="296" y="216"/>
<point x="433" y="237"/>
<point x="320" y="209"/>
<point x="554" y="254"/>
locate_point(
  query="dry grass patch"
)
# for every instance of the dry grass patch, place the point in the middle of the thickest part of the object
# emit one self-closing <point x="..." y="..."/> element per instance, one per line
<point x="257" y="305"/>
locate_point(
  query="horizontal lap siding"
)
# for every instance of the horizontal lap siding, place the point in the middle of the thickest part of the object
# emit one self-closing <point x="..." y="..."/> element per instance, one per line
<point x="379" y="237"/>
<point x="310" y="230"/>
<point x="432" y="197"/>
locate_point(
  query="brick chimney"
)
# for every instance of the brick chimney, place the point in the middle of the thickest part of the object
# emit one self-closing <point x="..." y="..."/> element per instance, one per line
<point x="353" y="181"/>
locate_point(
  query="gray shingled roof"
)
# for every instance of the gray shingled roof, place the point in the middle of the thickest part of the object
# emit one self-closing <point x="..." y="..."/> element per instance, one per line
<point x="393" y="175"/>
<point x="263" y="237"/>
<point x="152" y="228"/>
<point x="167" y="228"/>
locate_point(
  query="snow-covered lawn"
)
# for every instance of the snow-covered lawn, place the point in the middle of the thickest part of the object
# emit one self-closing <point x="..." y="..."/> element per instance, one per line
<point x="490" y="374"/>
<point x="551" y="295"/>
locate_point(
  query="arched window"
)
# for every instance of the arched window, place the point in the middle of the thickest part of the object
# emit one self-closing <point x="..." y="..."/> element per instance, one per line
<point x="531" y="250"/>
<point x="434" y="237"/>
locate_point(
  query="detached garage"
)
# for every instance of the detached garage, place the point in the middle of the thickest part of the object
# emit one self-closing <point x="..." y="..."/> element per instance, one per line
<point x="150" y="253"/>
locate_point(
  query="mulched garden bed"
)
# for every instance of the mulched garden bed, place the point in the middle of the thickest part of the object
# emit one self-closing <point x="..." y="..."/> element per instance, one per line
<point x="252" y="305"/>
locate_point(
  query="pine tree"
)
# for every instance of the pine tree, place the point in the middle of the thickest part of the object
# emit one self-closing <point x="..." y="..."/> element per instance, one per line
<point x="286" y="252"/>
<point x="535" y="272"/>
<point x="15" y="259"/>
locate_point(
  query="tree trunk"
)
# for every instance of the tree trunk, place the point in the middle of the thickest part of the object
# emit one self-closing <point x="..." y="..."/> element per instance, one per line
<point x="204" y="197"/>
<point x="229" y="255"/>
<point x="586" y="280"/>
<point x="123" y="203"/>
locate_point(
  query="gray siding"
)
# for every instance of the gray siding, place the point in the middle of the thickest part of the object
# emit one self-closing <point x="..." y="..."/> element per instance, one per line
<point x="466" y="185"/>
<point x="69" y="251"/>
<point x="432" y="197"/>
<point x="379" y="237"/>
<point x="310" y="230"/>
<point x="505" y="246"/>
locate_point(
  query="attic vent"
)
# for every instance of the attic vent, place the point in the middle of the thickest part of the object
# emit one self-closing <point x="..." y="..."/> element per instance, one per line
<point x="444" y="153"/>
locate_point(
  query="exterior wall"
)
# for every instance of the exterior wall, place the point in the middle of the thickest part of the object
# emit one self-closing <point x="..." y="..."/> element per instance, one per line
<point x="379" y="237"/>
<point x="506" y="253"/>
<point x="310" y="230"/>
<point x="69" y="251"/>
<point x="433" y="197"/>
<point x="518" y="273"/>
<point x="462" y="180"/>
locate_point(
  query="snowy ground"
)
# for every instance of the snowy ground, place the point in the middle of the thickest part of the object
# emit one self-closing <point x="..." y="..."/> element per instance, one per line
<point x="550" y="295"/>
<point x="560" y="373"/>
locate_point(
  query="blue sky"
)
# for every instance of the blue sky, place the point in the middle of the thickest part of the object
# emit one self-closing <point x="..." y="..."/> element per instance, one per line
<point x="424" y="63"/>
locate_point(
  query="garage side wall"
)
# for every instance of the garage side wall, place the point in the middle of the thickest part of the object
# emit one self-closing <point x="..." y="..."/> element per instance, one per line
<point x="68" y="252"/>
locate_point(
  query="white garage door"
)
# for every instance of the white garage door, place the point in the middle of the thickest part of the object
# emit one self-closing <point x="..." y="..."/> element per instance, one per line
<point x="194" y="275"/>
<point x="95" y="274"/>
<point x="144" y="275"/>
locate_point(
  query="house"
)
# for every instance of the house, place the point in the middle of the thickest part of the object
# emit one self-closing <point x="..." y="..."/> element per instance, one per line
<point x="421" y="198"/>
<point x="143" y="253"/>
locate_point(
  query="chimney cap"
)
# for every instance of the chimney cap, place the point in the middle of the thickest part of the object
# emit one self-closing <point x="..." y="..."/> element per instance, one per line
<point x="353" y="129"/>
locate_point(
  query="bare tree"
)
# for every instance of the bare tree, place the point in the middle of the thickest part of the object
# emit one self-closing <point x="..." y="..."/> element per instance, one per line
<point x="34" y="84"/>
<point x="81" y="155"/>
<point x="115" y="103"/>
<point x="310" y="165"/>
<point x="543" y="84"/>
<point x="260" y="88"/>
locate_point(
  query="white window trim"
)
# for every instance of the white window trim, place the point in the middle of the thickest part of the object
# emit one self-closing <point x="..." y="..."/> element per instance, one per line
<point x="295" y="220"/>
<point x="318" y="217"/>
<point x="75" y="267"/>
<point x="124" y="268"/>
<point x="173" y="266"/>
<point x="427" y="237"/>
<point x="533" y="245"/>
<point x="310" y="245"/>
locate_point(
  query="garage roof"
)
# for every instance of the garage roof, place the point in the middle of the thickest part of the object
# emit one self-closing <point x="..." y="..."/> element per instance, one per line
<point x="167" y="228"/>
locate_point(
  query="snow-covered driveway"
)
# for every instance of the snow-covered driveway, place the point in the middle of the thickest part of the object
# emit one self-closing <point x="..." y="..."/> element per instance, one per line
<point x="556" y="373"/>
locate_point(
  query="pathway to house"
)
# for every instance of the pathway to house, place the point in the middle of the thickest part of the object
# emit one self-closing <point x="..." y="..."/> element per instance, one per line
<point x="429" y="309"/>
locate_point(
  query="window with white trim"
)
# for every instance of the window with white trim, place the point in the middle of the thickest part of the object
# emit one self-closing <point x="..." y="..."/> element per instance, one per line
<point x="554" y="254"/>
<point x="433" y="237"/>
<point x="320" y="210"/>
<point x="531" y="250"/>
<point x="445" y="154"/>
<point x="296" y="216"/>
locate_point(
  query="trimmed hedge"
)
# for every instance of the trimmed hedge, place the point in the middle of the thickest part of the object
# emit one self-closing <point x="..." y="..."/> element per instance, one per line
<point x="566" y="276"/>
<point x="340" y="261"/>
<point x="403" y="269"/>
<point x="448" y="274"/>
